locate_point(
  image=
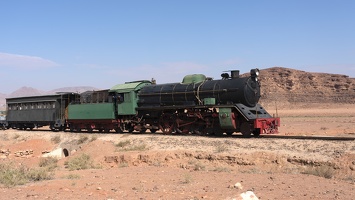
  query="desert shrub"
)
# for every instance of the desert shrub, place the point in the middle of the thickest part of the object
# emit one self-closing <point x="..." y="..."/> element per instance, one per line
<point x="78" y="163"/>
<point x="39" y="174"/>
<point x="11" y="175"/>
<point x="56" y="139"/>
<point x="126" y="146"/>
<point x="322" y="171"/>
<point x="48" y="162"/>
<point x="187" y="179"/>
<point x="16" y="136"/>
<point x="73" y="176"/>
<point x="199" y="166"/>
<point x="82" y="139"/>
<point x="123" y="164"/>
<point x="4" y="137"/>
<point x="221" y="148"/>
<point x="124" y="143"/>
<point x="140" y="147"/>
<point x="222" y="169"/>
<point x="93" y="138"/>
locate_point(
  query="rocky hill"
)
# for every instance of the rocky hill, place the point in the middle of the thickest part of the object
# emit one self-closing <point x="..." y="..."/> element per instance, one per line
<point x="290" y="88"/>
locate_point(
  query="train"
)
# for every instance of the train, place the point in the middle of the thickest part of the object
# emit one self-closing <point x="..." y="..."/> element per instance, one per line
<point x="196" y="105"/>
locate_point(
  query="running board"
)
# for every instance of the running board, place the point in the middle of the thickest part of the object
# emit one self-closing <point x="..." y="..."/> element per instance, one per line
<point x="252" y="113"/>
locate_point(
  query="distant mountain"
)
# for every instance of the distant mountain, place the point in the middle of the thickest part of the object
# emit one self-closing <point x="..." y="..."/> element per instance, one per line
<point x="29" y="91"/>
<point x="26" y="91"/>
<point x="2" y="95"/>
<point x="2" y="101"/>
<point x="79" y="89"/>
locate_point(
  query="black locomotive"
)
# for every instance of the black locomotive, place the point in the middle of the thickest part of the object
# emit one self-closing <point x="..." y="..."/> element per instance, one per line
<point x="205" y="106"/>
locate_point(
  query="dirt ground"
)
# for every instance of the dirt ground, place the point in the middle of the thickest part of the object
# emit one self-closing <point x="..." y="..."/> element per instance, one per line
<point x="154" y="166"/>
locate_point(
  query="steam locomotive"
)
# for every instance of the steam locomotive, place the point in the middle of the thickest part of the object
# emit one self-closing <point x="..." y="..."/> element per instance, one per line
<point x="197" y="105"/>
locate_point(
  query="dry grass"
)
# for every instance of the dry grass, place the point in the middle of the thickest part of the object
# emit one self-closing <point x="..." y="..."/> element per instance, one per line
<point x="10" y="175"/>
<point x="79" y="163"/>
<point x="221" y="148"/>
<point x="72" y="176"/>
<point x="126" y="145"/>
<point x="49" y="162"/>
<point x="222" y="169"/>
<point x="321" y="171"/>
<point x="93" y="138"/>
<point x="56" y="139"/>
<point x="82" y="139"/>
<point x="123" y="144"/>
<point x="187" y="178"/>
<point x="16" y="136"/>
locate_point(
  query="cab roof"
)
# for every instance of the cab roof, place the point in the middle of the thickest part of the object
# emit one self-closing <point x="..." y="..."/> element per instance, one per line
<point x="129" y="86"/>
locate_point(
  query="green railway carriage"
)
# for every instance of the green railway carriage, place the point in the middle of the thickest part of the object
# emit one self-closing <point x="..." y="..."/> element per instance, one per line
<point x="94" y="110"/>
<point x="105" y="110"/>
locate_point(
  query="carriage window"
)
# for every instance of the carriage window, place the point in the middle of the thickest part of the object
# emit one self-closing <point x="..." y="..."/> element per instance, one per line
<point x="53" y="105"/>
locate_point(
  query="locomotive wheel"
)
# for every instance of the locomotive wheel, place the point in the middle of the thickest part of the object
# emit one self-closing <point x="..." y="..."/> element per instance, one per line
<point x="245" y="129"/>
<point x="167" y="123"/>
<point x="199" y="130"/>
<point x="131" y="129"/>
<point x="182" y="130"/>
<point x="229" y="133"/>
<point x="167" y="128"/>
<point x="218" y="133"/>
<point x="153" y="130"/>
<point x="256" y="132"/>
<point x="118" y="130"/>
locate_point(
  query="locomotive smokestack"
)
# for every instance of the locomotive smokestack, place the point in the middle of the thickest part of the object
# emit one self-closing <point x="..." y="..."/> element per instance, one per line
<point x="235" y="74"/>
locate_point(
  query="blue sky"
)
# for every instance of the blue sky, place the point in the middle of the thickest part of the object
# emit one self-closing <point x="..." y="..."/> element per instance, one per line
<point x="51" y="44"/>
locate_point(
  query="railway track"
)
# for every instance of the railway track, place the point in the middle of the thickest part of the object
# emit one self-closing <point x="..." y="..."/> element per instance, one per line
<point x="288" y="137"/>
<point x="307" y="137"/>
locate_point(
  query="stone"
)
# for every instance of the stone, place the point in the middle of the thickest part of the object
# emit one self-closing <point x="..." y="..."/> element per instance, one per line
<point x="249" y="195"/>
<point x="238" y="186"/>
